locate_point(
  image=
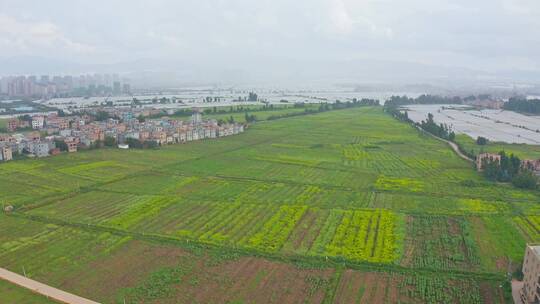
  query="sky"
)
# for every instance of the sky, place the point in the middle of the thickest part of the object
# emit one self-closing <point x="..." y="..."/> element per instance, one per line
<point x="275" y="35"/>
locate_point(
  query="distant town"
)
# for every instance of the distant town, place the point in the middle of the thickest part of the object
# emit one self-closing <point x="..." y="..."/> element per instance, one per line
<point x="53" y="134"/>
<point x="47" y="86"/>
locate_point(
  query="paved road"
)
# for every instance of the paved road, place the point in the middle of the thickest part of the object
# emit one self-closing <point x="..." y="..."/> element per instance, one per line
<point x="48" y="291"/>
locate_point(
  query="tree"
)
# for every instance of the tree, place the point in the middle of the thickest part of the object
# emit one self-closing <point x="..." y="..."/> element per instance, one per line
<point x="141" y="118"/>
<point x="26" y="117"/>
<point x="504" y="170"/>
<point x="109" y="141"/>
<point x="60" y="144"/>
<point x="525" y="179"/>
<point x="249" y="118"/>
<point x="531" y="106"/>
<point x="102" y="116"/>
<point x="151" y="144"/>
<point x="440" y="130"/>
<point x="482" y="141"/>
<point x="253" y="97"/>
<point x="134" y="143"/>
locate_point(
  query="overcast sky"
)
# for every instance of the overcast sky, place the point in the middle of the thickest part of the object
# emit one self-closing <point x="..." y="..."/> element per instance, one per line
<point x="489" y="35"/>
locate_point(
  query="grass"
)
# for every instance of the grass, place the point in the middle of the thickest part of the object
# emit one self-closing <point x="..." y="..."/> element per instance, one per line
<point x="3" y="125"/>
<point x="523" y="151"/>
<point x="257" y="110"/>
<point x="16" y="294"/>
<point x="354" y="186"/>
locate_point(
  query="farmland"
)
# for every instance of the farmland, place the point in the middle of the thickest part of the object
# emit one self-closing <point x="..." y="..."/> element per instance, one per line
<point x="522" y="151"/>
<point x="260" y="112"/>
<point x="342" y="206"/>
<point x="3" y="124"/>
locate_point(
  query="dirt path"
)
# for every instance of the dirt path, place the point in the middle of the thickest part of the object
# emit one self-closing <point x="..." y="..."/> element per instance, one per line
<point x="458" y="152"/>
<point x="452" y="145"/>
<point x="37" y="287"/>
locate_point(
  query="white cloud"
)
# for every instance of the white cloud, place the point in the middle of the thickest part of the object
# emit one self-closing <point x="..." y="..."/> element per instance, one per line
<point x="487" y="34"/>
<point x="35" y="37"/>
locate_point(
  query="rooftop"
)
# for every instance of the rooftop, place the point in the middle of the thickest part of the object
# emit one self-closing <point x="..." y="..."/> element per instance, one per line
<point x="535" y="248"/>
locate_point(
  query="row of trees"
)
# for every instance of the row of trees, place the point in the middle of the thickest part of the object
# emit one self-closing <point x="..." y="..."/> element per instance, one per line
<point x="137" y="144"/>
<point x="509" y="169"/>
<point x="428" y="125"/>
<point x="396" y="101"/>
<point x="440" y="130"/>
<point x="393" y="104"/>
<point x="223" y="110"/>
<point x="531" y="106"/>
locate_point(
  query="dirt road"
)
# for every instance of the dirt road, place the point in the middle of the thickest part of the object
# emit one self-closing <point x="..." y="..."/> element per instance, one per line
<point x="48" y="291"/>
<point x="458" y="152"/>
<point x="452" y="145"/>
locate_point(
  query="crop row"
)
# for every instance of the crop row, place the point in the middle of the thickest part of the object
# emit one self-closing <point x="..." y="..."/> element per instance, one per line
<point x="530" y="225"/>
<point x="365" y="235"/>
<point x="440" y="242"/>
<point x="435" y="290"/>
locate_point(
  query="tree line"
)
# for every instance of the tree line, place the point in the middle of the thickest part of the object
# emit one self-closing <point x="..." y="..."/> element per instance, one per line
<point x="392" y="106"/>
<point x="323" y="107"/>
<point x="531" y="106"/>
<point x="396" y="101"/>
<point x="439" y="130"/>
<point x="509" y="169"/>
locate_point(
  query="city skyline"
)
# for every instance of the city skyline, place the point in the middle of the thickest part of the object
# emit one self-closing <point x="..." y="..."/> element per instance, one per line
<point x="56" y="85"/>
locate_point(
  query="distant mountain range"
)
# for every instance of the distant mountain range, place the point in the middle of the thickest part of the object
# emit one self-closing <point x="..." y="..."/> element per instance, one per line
<point x="161" y="72"/>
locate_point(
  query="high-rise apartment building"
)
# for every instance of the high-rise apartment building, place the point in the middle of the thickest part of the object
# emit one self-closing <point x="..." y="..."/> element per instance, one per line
<point x="530" y="293"/>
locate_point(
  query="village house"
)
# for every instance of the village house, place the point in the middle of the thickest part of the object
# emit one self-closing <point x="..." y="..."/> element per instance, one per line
<point x="6" y="153"/>
<point x="40" y="148"/>
<point x="483" y="157"/>
<point x="15" y="123"/>
<point x="71" y="146"/>
<point x="80" y="131"/>
<point x="12" y="125"/>
<point x="32" y="136"/>
<point x="38" y="122"/>
<point x="530" y="292"/>
<point x="531" y="164"/>
<point x="57" y="122"/>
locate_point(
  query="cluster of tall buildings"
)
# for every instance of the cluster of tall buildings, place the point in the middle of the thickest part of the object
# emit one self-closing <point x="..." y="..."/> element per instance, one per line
<point x="58" y="86"/>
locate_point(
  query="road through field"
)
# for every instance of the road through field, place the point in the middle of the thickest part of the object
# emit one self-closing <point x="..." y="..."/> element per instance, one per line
<point x="453" y="145"/>
<point x="458" y="151"/>
<point x="46" y="290"/>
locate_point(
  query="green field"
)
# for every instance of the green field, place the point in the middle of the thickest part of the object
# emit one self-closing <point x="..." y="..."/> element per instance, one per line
<point x="3" y="125"/>
<point x="350" y="205"/>
<point x="522" y="151"/>
<point x="259" y="111"/>
<point x="13" y="294"/>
